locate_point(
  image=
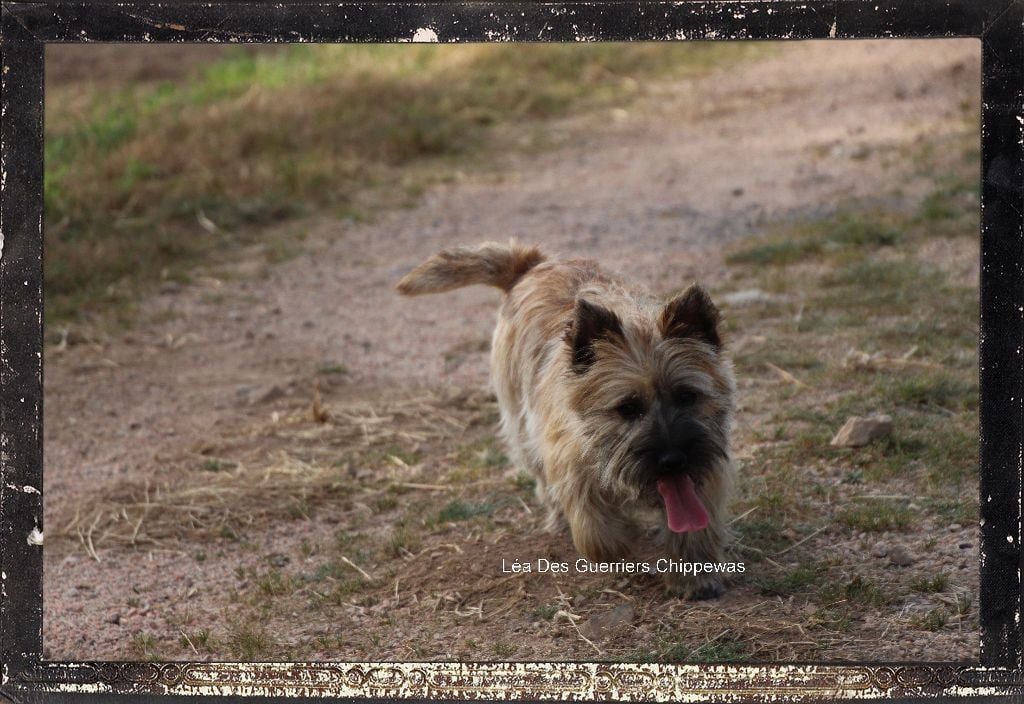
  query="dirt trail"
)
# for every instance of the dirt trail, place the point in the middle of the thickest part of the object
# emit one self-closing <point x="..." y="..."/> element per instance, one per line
<point x="654" y="190"/>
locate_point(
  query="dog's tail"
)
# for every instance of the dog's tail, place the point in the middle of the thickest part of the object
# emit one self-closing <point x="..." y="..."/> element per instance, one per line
<point x="499" y="265"/>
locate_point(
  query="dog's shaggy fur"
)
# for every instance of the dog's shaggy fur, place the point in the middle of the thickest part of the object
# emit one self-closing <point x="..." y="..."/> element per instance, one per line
<point x="618" y="403"/>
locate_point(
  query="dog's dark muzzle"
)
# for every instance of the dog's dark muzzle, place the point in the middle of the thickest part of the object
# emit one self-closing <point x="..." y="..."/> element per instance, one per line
<point x="681" y="449"/>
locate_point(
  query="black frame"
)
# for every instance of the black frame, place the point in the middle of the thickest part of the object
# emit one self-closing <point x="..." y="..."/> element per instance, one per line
<point x="27" y="26"/>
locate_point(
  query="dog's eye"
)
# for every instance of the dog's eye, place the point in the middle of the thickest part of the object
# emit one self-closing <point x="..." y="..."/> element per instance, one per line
<point x="685" y="396"/>
<point x="631" y="409"/>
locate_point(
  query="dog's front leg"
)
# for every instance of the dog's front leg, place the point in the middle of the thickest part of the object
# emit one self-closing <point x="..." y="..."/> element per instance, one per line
<point x="598" y="533"/>
<point x="703" y="546"/>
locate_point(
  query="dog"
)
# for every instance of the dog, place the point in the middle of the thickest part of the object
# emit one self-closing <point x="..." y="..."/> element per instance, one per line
<point x="620" y="404"/>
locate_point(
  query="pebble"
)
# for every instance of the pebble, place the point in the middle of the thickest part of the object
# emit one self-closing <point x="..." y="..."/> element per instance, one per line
<point x="964" y="546"/>
<point x="278" y="559"/>
<point x="899" y="557"/>
<point x="857" y="431"/>
<point x="271" y="394"/>
<point x="881" y="550"/>
<point x="607" y="622"/>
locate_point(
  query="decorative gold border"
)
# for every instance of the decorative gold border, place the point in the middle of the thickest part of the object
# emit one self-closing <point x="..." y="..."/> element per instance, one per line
<point x="524" y="681"/>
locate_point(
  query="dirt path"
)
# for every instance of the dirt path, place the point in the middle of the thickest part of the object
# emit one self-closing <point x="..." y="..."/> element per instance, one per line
<point x="654" y="190"/>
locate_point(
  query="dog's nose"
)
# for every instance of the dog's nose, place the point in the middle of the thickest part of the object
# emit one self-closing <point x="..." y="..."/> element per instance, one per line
<point x="671" y="460"/>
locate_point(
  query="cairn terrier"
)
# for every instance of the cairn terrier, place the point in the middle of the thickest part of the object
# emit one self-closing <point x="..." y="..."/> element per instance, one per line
<point x="619" y="404"/>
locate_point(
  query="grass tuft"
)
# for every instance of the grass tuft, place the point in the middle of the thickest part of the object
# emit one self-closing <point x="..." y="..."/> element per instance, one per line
<point x="876" y="516"/>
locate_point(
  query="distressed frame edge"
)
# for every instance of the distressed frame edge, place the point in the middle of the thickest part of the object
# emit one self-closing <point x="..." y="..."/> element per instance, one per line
<point x="1001" y="339"/>
<point x="29" y="674"/>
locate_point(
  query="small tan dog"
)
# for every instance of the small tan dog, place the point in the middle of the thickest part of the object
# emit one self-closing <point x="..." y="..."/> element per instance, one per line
<point x="620" y="404"/>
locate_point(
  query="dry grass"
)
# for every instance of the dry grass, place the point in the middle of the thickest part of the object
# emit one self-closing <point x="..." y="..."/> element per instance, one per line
<point x="304" y="457"/>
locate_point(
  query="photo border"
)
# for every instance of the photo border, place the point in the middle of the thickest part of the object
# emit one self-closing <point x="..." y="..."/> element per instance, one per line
<point x="26" y="28"/>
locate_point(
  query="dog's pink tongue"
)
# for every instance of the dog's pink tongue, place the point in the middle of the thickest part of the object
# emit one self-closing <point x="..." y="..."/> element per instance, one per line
<point x="684" y="509"/>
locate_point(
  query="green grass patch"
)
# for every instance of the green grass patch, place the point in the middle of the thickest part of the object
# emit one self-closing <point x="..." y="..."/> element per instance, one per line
<point x="758" y="537"/>
<point x="951" y="203"/>
<point x="793" y="581"/>
<point x="776" y="253"/>
<point x="673" y="649"/>
<point x="144" y="647"/>
<point x="813" y="239"/>
<point x="940" y="389"/>
<point x="876" y="515"/>
<point x="402" y="541"/>
<point x="275" y="583"/>
<point x="247" y="642"/>
<point x="857" y="591"/>
<point x="547" y="611"/>
<point x="457" y="510"/>
<point x="200" y="641"/>
<point x="930" y="585"/>
<point x="831" y="618"/>
<point x="933" y="620"/>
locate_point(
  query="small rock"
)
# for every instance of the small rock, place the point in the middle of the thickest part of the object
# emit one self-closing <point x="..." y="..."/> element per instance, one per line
<point x="607" y="622"/>
<point x="115" y="619"/>
<point x="858" y="432"/>
<point x="361" y="509"/>
<point x="953" y="527"/>
<point x="308" y="324"/>
<point x="245" y="391"/>
<point x="278" y="559"/>
<point x="737" y="192"/>
<point x="168" y="288"/>
<point x="861" y="151"/>
<point x="272" y="394"/>
<point x="964" y="546"/>
<point x="899" y="557"/>
<point x="917" y="605"/>
<point x="881" y="550"/>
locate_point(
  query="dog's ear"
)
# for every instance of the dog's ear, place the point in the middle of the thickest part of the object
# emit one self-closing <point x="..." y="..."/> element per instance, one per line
<point x="590" y="323"/>
<point x="691" y="314"/>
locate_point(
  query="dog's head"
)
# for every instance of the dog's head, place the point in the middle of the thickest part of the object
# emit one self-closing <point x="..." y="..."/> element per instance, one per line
<point x="654" y="394"/>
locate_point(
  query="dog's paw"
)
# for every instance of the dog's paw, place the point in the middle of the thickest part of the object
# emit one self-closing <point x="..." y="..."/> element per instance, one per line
<point x="696" y="589"/>
<point x="706" y="589"/>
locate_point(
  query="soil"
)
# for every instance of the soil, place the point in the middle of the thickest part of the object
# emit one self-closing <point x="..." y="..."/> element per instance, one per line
<point x="654" y="190"/>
